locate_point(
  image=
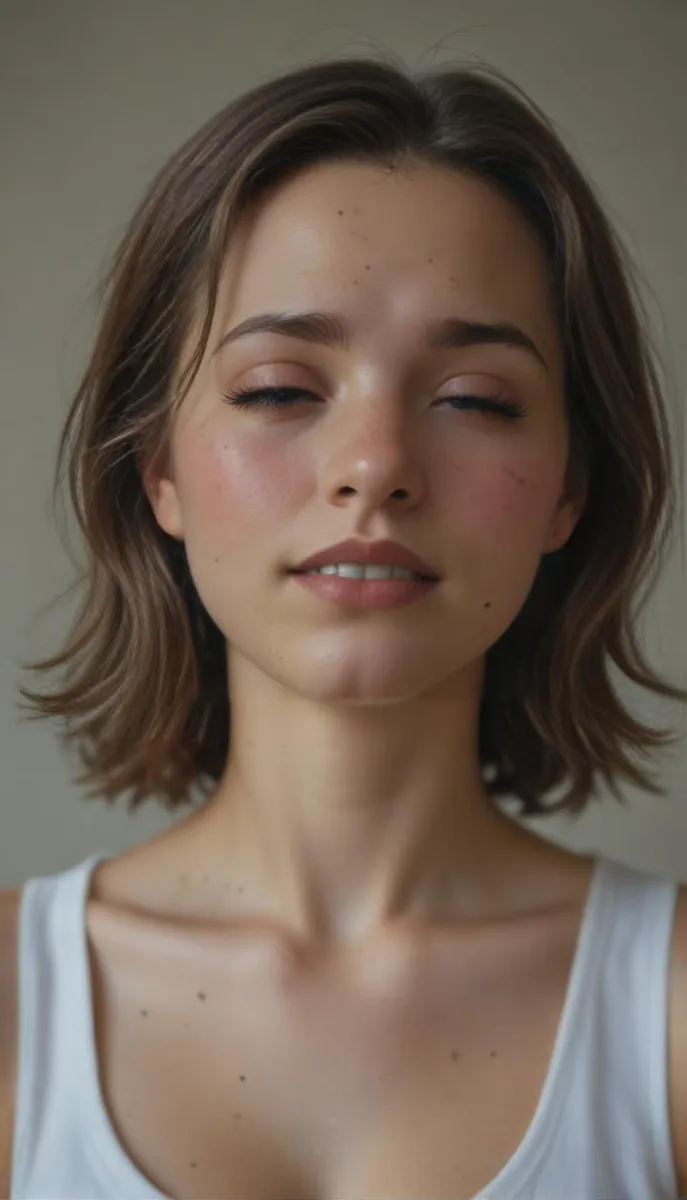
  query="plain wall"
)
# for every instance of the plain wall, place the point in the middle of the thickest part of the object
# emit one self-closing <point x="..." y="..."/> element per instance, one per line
<point x="94" y="96"/>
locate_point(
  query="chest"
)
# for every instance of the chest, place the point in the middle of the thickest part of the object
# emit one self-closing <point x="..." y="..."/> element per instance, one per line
<point x="223" y="1078"/>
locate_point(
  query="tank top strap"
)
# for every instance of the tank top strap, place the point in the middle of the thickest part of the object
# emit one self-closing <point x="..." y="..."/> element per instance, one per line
<point x="54" y="1013"/>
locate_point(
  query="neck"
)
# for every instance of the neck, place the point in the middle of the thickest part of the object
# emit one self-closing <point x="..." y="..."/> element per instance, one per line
<point x="339" y="820"/>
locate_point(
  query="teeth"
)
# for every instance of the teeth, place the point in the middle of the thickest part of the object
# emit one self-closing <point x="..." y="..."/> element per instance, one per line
<point x="357" y="571"/>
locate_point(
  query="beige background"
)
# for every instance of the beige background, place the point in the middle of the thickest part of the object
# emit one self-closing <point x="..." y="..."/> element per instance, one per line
<point x="93" y="98"/>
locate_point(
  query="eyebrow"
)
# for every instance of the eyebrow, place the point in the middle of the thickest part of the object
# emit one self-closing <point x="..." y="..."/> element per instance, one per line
<point x="330" y="329"/>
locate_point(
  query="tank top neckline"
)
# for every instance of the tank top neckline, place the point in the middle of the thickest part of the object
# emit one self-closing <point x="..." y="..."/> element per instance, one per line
<point x="110" y="1156"/>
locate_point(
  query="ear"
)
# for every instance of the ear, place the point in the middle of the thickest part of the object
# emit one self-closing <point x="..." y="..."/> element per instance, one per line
<point x="162" y="493"/>
<point x="568" y="512"/>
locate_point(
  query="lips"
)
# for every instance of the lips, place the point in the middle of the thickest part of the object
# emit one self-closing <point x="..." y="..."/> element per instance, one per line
<point x="354" y="550"/>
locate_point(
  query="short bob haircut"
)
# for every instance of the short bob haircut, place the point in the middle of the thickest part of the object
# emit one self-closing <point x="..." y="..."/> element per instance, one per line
<point x="143" y="682"/>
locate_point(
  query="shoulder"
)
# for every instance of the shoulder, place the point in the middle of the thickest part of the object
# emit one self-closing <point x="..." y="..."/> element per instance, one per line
<point x="9" y="909"/>
<point x="677" y="1038"/>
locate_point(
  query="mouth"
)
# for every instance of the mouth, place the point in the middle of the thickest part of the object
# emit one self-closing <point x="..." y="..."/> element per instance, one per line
<point x="420" y="577"/>
<point x="358" y="552"/>
<point x="359" y="592"/>
<point x="312" y="570"/>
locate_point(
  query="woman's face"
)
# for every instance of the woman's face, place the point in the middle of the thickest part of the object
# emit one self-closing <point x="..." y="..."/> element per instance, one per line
<point x="374" y="447"/>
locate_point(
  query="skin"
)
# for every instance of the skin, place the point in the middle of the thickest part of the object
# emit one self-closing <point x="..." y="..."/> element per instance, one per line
<point x="353" y="798"/>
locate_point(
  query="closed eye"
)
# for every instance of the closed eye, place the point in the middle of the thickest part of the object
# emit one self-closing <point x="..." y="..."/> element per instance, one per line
<point x="282" y="397"/>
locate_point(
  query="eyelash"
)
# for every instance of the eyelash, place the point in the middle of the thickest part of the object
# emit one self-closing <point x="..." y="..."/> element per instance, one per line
<point x="267" y="397"/>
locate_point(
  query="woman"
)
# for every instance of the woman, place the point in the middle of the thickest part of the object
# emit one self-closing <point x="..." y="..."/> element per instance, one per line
<point x="370" y="458"/>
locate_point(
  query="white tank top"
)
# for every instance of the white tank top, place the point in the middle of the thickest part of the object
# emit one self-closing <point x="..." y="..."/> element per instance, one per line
<point x="601" y="1130"/>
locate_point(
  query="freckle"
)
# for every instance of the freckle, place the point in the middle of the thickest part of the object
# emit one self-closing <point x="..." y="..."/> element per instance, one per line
<point x="202" y="995"/>
<point x="215" y="560"/>
<point x="206" y="878"/>
<point x="194" y="1164"/>
<point x="455" y="1055"/>
<point x="341" y="212"/>
<point x="242" y="1078"/>
<point x="493" y="1054"/>
<point x="487" y="604"/>
<point x="144" y="1012"/>
<point x="367" y="266"/>
<point x="183" y="878"/>
<point x="430" y="260"/>
<point x="240" y="889"/>
<point x="237" y="1116"/>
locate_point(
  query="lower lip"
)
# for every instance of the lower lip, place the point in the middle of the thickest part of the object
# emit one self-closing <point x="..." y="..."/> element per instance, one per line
<point x="365" y="593"/>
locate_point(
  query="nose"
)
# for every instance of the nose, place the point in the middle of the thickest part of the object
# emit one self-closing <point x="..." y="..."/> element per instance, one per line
<point x="375" y="456"/>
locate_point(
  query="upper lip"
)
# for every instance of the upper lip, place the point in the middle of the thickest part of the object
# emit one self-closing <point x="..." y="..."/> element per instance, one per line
<point x="355" y="551"/>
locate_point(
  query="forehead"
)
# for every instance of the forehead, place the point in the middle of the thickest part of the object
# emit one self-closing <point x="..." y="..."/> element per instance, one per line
<point x="397" y="213"/>
<point x="390" y="245"/>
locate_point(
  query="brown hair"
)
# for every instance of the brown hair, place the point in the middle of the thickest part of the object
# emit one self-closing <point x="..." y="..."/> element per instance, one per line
<point x="143" y="693"/>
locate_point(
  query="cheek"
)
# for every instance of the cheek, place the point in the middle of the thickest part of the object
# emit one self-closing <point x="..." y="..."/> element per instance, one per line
<point x="232" y="489"/>
<point x="501" y="506"/>
<point x="507" y="498"/>
<point x="223" y="486"/>
<point x="236" y="496"/>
